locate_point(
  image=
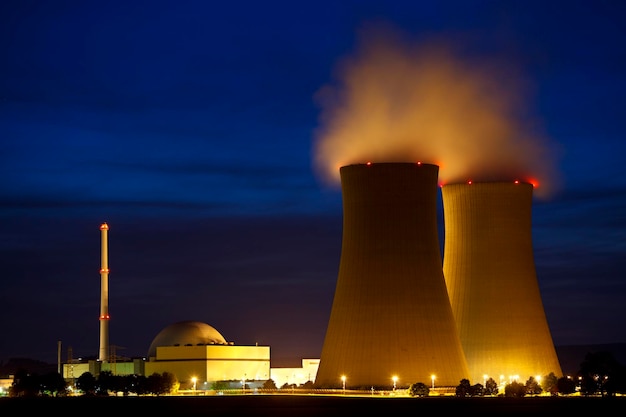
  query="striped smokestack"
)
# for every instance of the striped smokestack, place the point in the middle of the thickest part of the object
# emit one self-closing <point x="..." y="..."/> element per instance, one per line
<point x="103" y="354"/>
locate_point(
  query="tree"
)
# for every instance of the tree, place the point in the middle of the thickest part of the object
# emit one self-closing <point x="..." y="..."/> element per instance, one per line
<point x="159" y="384"/>
<point x="491" y="387"/>
<point x="515" y="389"/>
<point x="307" y="385"/>
<point x="24" y="384"/>
<point x="419" y="389"/>
<point x="105" y="383"/>
<point x="601" y="373"/>
<point x="287" y="385"/>
<point x="169" y="381"/>
<point x="140" y="385"/>
<point x="87" y="383"/>
<point x="219" y="386"/>
<point x="477" y="390"/>
<point x="53" y="384"/>
<point x="549" y="383"/>
<point x="533" y="387"/>
<point x="565" y="386"/>
<point x="463" y="389"/>
<point x="269" y="384"/>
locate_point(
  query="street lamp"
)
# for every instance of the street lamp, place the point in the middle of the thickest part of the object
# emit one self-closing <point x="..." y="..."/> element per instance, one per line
<point x="432" y="378"/>
<point x="394" y="379"/>
<point x="484" y="380"/>
<point x="343" y="381"/>
<point x="194" y="380"/>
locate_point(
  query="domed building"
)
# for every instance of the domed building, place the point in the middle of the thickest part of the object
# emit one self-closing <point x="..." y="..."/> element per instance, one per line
<point x="186" y="333"/>
<point x="196" y="351"/>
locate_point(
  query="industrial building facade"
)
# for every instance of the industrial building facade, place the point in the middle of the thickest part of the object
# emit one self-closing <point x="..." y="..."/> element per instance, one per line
<point x="402" y="312"/>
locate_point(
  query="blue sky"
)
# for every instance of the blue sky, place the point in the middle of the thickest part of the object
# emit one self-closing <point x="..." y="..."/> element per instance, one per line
<point x="192" y="128"/>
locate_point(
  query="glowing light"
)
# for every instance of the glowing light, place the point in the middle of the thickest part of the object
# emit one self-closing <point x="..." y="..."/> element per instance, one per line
<point x="104" y="317"/>
<point x="469" y="182"/>
<point x="104" y="226"/>
<point x="394" y="379"/>
<point x="343" y="382"/>
<point x="368" y="163"/>
<point x="104" y="270"/>
<point x="432" y="378"/>
<point x="516" y="181"/>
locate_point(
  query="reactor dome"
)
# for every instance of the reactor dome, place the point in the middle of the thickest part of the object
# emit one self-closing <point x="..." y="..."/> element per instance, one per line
<point x="186" y="333"/>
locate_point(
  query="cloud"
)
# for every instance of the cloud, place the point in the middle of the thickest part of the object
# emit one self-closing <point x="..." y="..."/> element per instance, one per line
<point x="400" y="101"/>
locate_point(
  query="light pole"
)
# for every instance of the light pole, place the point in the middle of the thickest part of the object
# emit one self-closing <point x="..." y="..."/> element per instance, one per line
<point x="194" y="380"/>
<point x="343" y="382"/>
<point x="432" y="378"/>
<point x="484" y="380"/>
<point x="394" y="379"/>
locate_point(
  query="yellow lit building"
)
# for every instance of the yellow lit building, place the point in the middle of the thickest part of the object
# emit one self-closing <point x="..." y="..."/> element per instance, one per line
<point x="210" y="363"/>
<point x="297" y="376"/>
<point x="192" y="349"/>
<point x="198" y="355"/>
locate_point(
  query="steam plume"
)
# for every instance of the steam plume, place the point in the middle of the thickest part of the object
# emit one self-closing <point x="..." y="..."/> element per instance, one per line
<point x="397" y="101"/>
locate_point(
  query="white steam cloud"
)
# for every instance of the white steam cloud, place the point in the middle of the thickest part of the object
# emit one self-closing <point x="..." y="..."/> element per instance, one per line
<point x="399" y="102"/>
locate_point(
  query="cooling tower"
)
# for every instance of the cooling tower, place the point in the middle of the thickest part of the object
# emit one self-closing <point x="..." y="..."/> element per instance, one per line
<point x="391" y="315"/>
<point x="489" y="270"/>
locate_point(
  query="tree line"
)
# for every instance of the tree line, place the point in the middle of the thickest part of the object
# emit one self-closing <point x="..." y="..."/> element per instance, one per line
<point x="54" y="385"/>
<point x="600" y="374"/>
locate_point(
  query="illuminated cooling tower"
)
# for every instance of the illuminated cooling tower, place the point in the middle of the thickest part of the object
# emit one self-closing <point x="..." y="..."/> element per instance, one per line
<point x="391" y="315"/>
<point x="489" y="270"/>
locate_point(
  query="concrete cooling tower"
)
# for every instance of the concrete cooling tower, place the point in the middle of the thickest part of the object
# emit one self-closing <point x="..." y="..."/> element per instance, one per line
<point x="391" y="315"/>
<point x="489" y="270"/>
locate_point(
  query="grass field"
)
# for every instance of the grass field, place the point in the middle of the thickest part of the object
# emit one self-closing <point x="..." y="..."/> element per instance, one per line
<point x="309" y="405"/>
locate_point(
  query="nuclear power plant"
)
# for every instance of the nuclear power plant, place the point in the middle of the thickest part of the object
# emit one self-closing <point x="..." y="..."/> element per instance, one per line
<point x="391" y="316"/>
<point x="402" y="312"/>
<point x="489" y="268"/>
<point x="194" y="352"/>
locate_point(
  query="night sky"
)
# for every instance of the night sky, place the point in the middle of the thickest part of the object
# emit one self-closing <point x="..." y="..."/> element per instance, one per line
<point x="208" y="135"/>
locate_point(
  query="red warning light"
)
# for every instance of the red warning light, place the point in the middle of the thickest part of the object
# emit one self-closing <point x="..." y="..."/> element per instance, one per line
<point x="368" y="163"/>
<point x="534" y="183"/>
<point x="469" y="182"/>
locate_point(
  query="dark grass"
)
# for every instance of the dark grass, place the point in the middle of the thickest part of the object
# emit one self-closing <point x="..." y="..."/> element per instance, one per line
<point x="308" y="405"/>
